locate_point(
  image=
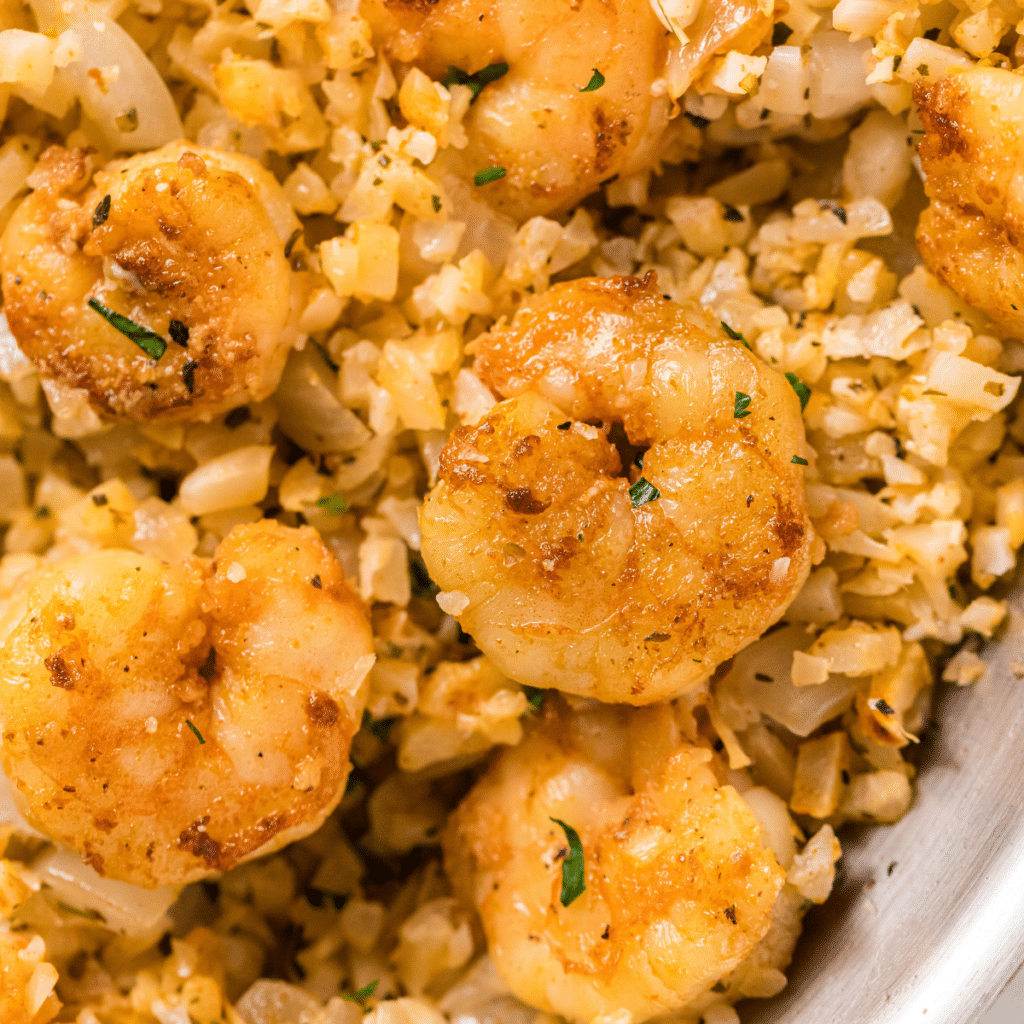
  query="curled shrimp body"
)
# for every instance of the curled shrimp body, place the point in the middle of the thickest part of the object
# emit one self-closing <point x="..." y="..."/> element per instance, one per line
<point x="171" y="721"/>
<point x="187" y="243"/>
<point x="555" y="142"/>
<point x="972" y="156"/>
<point x="679" y="886"/>
<point x="565" y="575"/>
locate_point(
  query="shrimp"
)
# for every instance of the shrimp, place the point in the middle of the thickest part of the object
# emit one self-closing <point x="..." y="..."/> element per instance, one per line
<point x="972" y="155"/>
<point x="680" y="887"/>
<point x="565" y="575"/>
<point x="171" y="721"/>
<point x="556" y="142"/>
<point x="188" y="244"/>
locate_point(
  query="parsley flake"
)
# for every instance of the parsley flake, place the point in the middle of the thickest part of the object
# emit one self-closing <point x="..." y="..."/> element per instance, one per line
<point x="102" y="212"/>
<point x="797" y="461"/>
<point x="741" y="406"/>
<point x="332" y="505"/>
<point x="92" y="915"/>
<point x="534" y="698"/>
<point x="573" y="882"/>
<point x="595" y="83"/>
<point x="780" y="33"/>
<point x="178" y="332"/>
<point x="881" y="706"/>
<point x="152" y="344"/>
<point x="803" y="392"/>
<point x="642" y="492"/>
<point x="362" y="994"/>
<point x="732" y="215"/>
<point x="475" y="83"/>
<point x="198" y="734"/>
<point x="207" y="668"/>
<point x="735" y="335"/>
<point x="436" y="202"/>
<point x="488" y="174"/>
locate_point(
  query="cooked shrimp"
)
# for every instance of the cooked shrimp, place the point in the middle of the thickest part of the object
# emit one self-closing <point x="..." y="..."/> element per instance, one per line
<point x="972" y="155"/>
<point x="556" y="143"/>
<point x="680" y="887"/>
<point x="171" y="721"/>
<point x="187" y="243"/>
<point x="567" y="577"/>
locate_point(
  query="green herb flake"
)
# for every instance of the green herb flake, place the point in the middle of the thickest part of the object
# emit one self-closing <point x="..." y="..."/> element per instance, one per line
<point x="891" y="868"/>
<point x="897" y="61"/>
<point x="803" y="392"/>
<point x="91" y="915"/>
<point x="128" y="122"/>
<point x="573" y="882"/>
<point x="922" y="69"/>
<point x="381" y="728"/>
<point x="152" y="344"/>
<point x="198" y="734"/>
<point x="475" y="83"/>
<point x="733" y="216"/>
<point x="735" y="335"/>
<point x="642" y="492"/>
<point x="534" y="698"/>
<point x="780" y="33"/>
<point x="595" y="83"/>
<point x="178" y="332"/>
<point x="364" y="993"/>
<point x="488" y="174"/>
<point x="102" y="212"/>
<point x="99" y="500"/>
<point x="332" y="505"/>
<point x="741" y="406"/>
<point x="207" y="668"/>
<point x="436" y="202"/>
<point x="797" y="461"/>
<point x="43" y="512"/>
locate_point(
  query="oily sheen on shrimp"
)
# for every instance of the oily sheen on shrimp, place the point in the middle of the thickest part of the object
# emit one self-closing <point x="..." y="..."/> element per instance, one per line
<point x="170" y="721"/>
<point x="564" y="576"/>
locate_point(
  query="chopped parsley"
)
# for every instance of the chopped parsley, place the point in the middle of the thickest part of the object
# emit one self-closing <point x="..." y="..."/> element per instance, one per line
<point x="102" y="212"/>
<point x="897" y="61"/>
<point x="42" y="512"/>
<point x="922" y="69"/>
<point x="364" y="993"/>
<point x="207" y="668"/>
<point x="92" y="915"/>
<point x="188" y="374"/>
<point x="488" y="174"/>
<point x="881" y="706"/>
<point x="436" y="201"/>
<point x="290" y="244"/>
<point x="780" y="33"/>
<point x="797" y="461"/>
<point x="733" y="216"/>
<point x="99" y="500"/>
<point x="491" y="73"/>
<point x="642" y="492"/>
<point x="198" y="734"/>
<point x="534" y="698"/>
<point x="152" y="344"/>
<point x="178" y="332"/>
<point x="127" y="122"/>
<point x="595" y="83"/>
<point x="332" y="505"/>
<point x="741" y="406"/>
<point x="735" y="335"/>
<point x="803" y="392"/>
<point x="381" y="728"/>
<point x="573" y="882"/>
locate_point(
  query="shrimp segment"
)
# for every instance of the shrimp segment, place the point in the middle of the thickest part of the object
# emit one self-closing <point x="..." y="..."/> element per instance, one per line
<point x="679" y="886"/>
<point x="555" y="142"/>
<point x="171" y="721"/>
<point x="181" y="235"/>
<point x="972" y="156"/>
<point x="555" y="573"/>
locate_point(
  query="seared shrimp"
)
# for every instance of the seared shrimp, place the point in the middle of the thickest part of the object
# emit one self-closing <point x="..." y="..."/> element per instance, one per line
<point x="171" y="721"/>
<point x="679" y="886"/>
<point x="556" y="142"/>
<point x="565" y="575"/>
<point x="972" y="155"/>
<point x="188" y="244"/>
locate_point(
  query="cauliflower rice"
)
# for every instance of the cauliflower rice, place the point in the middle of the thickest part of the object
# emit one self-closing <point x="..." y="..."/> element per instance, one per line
<point x="782" y="201"/>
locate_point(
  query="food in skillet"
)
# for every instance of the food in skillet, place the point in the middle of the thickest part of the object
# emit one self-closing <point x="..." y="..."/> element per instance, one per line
<point x="400" y="248"/>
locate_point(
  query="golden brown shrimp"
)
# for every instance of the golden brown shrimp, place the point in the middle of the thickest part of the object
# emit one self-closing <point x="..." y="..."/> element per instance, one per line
<point x="171" y="721"/>
<point x="556" y="142"/>
<point x="972" y="155"/>
<point x="565" y="575"/>
<point x="679" y="885"/>
<point x="185" y="242"/>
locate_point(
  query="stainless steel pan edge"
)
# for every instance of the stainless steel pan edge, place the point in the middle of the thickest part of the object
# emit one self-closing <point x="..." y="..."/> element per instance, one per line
<point x="935" y="941"/>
